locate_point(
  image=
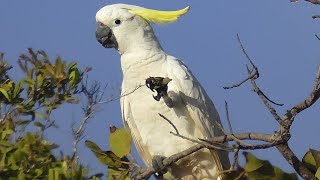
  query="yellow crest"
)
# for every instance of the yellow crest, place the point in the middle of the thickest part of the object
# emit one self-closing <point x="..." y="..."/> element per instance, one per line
<point x="159" y="17"/>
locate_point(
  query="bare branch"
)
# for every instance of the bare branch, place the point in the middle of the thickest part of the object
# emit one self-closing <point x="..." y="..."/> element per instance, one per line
<point x="292" y="159"/>
<point x="234" y="138"/>
<point x="279" y="139"/>
<point x="288" y="118"/>
<point x="93" y="96"/>
<point x="313" y="1"/>
<point x="243" y="136"/>
<point x="265" y="101"/>
<point x="210" y="145"/>
<point x="315" y="16"/>
<point x="214" y="143"/>
<point x="316" y="83"/>
<point x="169" y="160"/>
<point x="262" y="96"/>
<point x="283" y="135"/>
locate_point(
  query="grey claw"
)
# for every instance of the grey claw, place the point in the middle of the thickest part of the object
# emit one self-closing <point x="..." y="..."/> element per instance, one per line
<point x="157" y="163"/>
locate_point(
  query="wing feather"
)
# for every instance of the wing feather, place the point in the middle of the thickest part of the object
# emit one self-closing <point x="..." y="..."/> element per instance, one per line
<point x="199" y="105"/>
<point x="128" y="121"/>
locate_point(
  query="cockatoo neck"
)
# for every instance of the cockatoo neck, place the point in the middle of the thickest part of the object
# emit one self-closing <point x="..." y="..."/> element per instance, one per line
<point x="139" y="48"/>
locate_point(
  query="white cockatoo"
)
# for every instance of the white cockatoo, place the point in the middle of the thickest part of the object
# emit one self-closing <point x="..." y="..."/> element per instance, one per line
<point x="127" y="29"/>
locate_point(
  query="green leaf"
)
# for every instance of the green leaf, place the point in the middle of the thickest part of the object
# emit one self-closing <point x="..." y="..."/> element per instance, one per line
<point x="281" y="175"/>
<point x="50" y="69"/>
<point x="104" y="157"/>
<point x="318" y="173"/>
<point x="5" y="94"/>
<point x="110" y="159"/>
<point x="257" y="168"/>
<point x="21" y="176"/>
<point x="39" y="79"/>
<point x="116" y="174"/>
<point x="23" y="122"/>
<point x="93" y="146"/>
<point x="39" y="125"/>
<point x="58" y="65"/>
<point x="253" y="163"/>
<point x="96" y="176"/>
<point x="316" y="156"/>
<point x="312" y="159"/>
<point x="7" y="85"/>
<point x="17" y="89"/>
<point x="51" y="174"/>
<point x="8" y="132"/>
<point x="120" y="142"/>
<point x="74" y="75"/>
<point x="38" y="172"/>
<point x="69" y="99"/>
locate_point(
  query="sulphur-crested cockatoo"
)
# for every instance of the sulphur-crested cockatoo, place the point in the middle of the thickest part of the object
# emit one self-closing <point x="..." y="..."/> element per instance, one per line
<point x="127" y="29"/>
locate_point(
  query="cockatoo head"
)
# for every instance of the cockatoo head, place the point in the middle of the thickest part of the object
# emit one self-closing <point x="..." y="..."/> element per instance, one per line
<point x="126" y="27"/>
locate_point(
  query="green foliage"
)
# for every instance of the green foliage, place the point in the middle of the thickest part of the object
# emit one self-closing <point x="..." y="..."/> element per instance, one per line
<point x="30" y="100"/>
<point x="30" y="157"/>
<point x="45" y="87"/>
<point x="116" y="160"/>
<point x="49" y="84"/>
<point x="259" y="169"/>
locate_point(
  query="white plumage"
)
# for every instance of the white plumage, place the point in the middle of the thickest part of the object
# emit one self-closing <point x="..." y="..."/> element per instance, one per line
<point x="193" y="113"/>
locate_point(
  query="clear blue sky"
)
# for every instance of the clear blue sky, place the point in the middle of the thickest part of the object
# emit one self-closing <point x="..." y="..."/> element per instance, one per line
<point x="278" y="35"/>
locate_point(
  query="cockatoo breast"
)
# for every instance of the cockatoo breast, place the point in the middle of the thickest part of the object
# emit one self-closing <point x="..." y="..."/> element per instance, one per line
<point x="144" y="109"/>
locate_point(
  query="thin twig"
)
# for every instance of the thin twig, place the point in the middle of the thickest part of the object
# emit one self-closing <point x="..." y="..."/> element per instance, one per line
<point x="235" y="159"/>
<point x="174" y="127"/>
<point x="240" y="83"/>
<point x="122" y="95"/>
<point x="253" y="75"/>
<point x="245" y="52"/>
<point x="228" y="117"/>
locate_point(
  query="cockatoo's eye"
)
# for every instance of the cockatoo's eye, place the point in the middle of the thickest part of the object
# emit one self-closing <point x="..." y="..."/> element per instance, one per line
<point x="117" y="21"/>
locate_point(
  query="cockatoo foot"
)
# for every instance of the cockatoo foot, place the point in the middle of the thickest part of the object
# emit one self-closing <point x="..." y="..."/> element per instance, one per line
<point x="157" y="163"/>
<point x="160" y="84"/>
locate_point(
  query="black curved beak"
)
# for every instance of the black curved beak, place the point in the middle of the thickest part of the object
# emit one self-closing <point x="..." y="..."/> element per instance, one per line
<point x="106" y="37"/>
